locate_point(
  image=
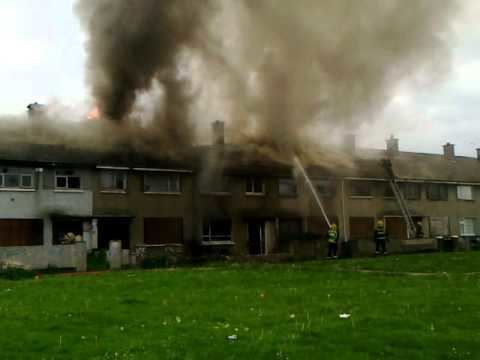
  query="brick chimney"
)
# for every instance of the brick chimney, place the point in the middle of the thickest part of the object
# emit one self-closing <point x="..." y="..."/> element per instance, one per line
<point x="392" y="146"/>
<point x="218" y="133"/>
<point x="349" y="143"/>
<point x="449" y="151"/>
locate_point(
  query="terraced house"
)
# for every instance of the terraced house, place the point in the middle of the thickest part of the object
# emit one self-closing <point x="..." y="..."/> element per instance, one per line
<point x="57" y="203"/>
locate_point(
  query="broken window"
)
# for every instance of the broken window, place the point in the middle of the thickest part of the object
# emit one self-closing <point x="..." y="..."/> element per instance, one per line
<point x="360" y="188"/>
<point x="287" y="187"/>
<point x="437" y="192"/>
<point x="464" y="193"/>
<point x="467" y="227"/>
<point x="217" y="230"/>
<point x="411" y="191"/>
<point x="113" y="180"/>
<point x="162" y="183"/>
<point x="66" y="231"/>
<point x="255" y="186"/>
<point x="67" y="180"/>
<point x="325" y="188"/>
<point x="16" y="178"/>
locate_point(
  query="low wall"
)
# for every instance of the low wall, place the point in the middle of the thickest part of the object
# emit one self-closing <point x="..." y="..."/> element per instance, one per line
<point x="40" y="257"/>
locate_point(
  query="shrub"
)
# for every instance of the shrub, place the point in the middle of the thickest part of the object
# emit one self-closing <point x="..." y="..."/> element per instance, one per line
<point x="97" y="260"/>
<point x="15" y="273"/>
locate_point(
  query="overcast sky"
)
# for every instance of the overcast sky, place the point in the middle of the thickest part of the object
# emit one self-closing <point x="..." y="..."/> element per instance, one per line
<point x="43" y="58"/>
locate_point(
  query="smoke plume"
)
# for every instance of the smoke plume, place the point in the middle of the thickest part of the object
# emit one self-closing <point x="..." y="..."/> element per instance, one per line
<point x="275" y="71"/>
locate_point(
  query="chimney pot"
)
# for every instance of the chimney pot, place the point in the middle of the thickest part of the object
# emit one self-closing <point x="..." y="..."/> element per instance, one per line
<point x="218" y="132"/>
<point x="449" y="151"/>
<point x="393" y="148"/>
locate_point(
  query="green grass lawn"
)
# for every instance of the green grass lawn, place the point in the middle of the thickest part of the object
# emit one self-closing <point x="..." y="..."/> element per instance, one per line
<point x="276" y="311"/>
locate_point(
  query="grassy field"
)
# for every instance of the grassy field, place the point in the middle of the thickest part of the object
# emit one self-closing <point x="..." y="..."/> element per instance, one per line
<point x="276" y="312"/>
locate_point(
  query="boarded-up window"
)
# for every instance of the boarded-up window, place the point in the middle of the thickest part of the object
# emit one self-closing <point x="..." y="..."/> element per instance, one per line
<point x="21" y="232"/>
<point x="439" y="226"/>
<point x="464" y="193"/>
<point x="396" y="227"/>
<point x="467" y="227"/>
<point x="159" y="231"/>
<point x="361" y="228"/>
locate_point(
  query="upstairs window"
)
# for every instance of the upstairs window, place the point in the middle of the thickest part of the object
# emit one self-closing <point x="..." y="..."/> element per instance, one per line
<point x="113" y="180"/>
<point x="218" y="230"/>
<point x="411" y="191"/>
<point x="467" y="227"/>
<point x="16" y="179"/>
<point x="437" y="192"/>
<point x="287" y="187"/>
<point x="255" y="186"/>
<point x="325" y="188"/>
<point x="464" y="193"/>
<point x="360" y="188"/>
<point x="162" y="183"/>
<point x="67" y="180"/>
<point x="388" y="191"/>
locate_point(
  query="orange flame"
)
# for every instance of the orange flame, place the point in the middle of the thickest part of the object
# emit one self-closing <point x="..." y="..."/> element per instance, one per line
<point x="94" y="114"/>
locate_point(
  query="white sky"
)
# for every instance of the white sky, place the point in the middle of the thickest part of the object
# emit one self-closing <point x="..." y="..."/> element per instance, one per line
<point x="42" y="58"/>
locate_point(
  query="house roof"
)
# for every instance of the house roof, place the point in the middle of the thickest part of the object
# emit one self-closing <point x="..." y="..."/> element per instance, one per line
<point x="248" y="160"/>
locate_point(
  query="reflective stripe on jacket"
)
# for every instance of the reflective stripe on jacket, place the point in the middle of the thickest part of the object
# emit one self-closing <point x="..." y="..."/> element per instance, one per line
<point x="332" y="236"/>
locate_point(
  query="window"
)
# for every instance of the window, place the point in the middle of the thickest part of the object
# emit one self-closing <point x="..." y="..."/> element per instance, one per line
<point x="16" y="178"/>
<point x="255" y="186"/>
<point x="287" y="187"/>
<point x="437" y="192"/>
<point x="218" y="230"/>
<point x="67" y="180"/>
<point x="411" y="191"/>
<point x="388" y="191"/>
<point x="325" y="188"/>
<point x="360" y="188"/>
<point x="113" y="180"/>
<point x="464" y="193"/>
<point x="162" y="183"/>
<point x="21" y="232"/>
<point x="467" y="227"/>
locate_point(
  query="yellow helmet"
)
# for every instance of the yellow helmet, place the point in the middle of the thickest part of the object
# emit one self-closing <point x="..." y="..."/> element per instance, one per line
<point x="380" y="223"/>
<point x="334" y="226"/>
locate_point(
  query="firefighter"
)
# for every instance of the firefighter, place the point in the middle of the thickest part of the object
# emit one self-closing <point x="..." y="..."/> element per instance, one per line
<point x="332" y="237"/>
<point x="381" y="238"/>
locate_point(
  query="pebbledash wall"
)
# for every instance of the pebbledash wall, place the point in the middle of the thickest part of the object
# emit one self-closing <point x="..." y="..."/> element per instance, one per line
<point x="40" y="203"/>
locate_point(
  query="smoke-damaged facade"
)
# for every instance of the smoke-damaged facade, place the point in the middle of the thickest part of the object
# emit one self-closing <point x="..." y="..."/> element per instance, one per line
<point x="223" y="200"/>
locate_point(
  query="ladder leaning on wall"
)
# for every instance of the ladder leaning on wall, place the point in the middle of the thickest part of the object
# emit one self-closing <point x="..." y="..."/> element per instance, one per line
<point x="411" y="229"/>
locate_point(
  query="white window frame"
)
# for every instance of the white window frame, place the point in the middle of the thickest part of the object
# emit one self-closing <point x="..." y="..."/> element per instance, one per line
<point x="251" y="191"/>
<point x="465" y="192"/>
<point x="178" y="187"/>
<point x="67" y="188"/>
<point x="20" y="176"/>
<point x="114" y="174"/>
<point x="462" y="226"/>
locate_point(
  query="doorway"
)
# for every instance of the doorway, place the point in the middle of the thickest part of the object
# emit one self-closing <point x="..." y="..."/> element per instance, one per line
<point x="256" y="237"/>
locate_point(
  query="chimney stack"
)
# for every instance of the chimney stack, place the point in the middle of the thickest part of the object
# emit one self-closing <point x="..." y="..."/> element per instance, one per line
<point x="449" y="151"/>
<point x="478" y="154"/>
<point x="392" y="146"/>
<point x="349" y="143"/>
<point x="218" y="132"/>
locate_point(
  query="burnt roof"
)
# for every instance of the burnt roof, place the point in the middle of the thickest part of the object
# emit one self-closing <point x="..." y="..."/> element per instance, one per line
<point x="247" y="160"/>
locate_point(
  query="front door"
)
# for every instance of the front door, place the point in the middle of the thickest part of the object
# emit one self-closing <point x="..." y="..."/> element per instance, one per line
<point x="256" y="237"/>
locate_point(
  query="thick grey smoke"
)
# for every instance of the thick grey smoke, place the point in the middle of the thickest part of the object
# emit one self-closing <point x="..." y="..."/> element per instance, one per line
<point x="282" y="70"/>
